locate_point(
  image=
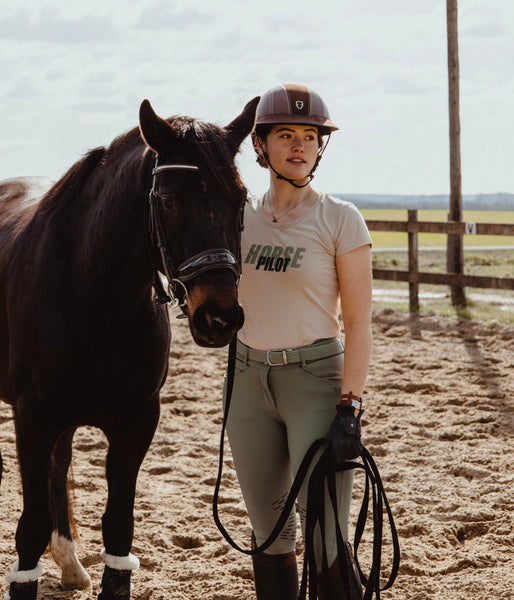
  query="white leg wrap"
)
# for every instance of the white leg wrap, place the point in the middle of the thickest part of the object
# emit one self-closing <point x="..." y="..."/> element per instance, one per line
<point x="121" y="563"/>
<point x="7" y="596"/>
<point x="16" y="576"/>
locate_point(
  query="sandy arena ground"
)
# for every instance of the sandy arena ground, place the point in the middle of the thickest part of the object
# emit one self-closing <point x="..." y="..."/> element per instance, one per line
<point x="439" y="421"/>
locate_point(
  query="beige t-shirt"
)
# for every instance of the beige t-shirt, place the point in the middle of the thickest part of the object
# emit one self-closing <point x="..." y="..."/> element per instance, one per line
<point x="289" y="288"/>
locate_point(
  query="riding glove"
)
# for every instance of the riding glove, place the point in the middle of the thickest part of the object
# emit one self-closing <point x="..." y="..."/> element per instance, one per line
<point x="344" y="435"/>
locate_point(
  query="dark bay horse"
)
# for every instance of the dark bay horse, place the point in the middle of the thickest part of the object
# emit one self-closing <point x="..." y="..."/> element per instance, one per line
<point x="84" y="339"/>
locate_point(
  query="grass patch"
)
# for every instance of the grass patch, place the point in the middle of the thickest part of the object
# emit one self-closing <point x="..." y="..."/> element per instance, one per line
<point x="393" y="239"/>
<point x="491" y="263"/>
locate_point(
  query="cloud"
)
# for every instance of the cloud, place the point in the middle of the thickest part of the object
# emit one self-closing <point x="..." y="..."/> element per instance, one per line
<point x="74" y="74"/>
<point x="47" y="25"/>
<point x="168" y="16"/>
<point x="489" y="29"/>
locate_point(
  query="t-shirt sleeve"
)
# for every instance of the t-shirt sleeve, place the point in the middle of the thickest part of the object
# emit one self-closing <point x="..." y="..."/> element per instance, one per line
<point x="352" y="231"/>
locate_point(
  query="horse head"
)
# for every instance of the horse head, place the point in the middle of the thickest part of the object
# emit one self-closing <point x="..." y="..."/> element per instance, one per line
<point x="196" y="208"/>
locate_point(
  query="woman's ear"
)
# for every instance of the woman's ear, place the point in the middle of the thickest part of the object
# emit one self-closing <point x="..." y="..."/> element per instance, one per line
<point x="260" y="150"/>
<point x="258" y="145"/>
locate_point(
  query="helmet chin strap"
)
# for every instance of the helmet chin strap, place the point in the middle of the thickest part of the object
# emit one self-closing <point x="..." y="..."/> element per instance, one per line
<point x="310" y="176"/>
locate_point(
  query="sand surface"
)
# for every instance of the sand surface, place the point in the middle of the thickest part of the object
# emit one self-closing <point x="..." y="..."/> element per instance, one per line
<point x="439" y="421"/>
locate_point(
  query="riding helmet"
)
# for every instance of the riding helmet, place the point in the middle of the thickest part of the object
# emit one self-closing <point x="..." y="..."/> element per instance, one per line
<point x="295" y="104"/>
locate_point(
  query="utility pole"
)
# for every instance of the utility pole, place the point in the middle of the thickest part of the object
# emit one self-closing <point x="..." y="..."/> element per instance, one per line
<point x="455" y="253"/>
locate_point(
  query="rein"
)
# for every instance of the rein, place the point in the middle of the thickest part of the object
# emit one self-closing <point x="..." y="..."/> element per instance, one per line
<point x="323" y="474"/>
<point x="216" y="258"/>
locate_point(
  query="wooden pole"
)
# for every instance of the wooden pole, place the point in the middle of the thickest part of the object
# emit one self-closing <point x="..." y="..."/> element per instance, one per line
<point x="412" y="216"/>
<point x="455" y="253"/>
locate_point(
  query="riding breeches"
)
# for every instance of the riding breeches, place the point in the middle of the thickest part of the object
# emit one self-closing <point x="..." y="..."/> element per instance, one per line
<point x="276" y="412"/>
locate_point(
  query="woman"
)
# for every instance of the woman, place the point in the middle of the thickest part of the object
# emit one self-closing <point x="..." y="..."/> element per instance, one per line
<point x="306" y="256"/>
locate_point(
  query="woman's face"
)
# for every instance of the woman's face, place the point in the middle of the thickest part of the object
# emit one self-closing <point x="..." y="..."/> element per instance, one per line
<point x="292" y="149"/>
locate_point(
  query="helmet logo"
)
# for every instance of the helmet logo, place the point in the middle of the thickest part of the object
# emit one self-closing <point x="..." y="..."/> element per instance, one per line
<point x="299" y="104"/>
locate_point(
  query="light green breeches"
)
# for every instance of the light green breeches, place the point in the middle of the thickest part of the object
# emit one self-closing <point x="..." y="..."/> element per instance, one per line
<point x="276" y="412"/>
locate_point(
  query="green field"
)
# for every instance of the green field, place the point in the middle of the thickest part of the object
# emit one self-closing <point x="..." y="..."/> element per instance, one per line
<point x="391" y="239"/>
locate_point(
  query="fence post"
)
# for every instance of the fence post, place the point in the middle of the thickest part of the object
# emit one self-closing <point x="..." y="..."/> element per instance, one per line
<point x="455" y="253"/>
<point x="412" y="217"/>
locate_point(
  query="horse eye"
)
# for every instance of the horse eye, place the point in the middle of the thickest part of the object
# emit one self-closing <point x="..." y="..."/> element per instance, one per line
<point x="167" y="201"/>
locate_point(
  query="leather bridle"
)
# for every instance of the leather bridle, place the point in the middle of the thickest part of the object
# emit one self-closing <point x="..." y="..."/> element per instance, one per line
<point x="178" y="276"/>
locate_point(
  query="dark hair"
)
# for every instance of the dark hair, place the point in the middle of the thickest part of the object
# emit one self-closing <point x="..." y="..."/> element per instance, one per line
<point x="262" y="130"/>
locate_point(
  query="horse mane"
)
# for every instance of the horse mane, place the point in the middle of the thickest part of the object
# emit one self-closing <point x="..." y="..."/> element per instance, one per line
<point x="206" y="140"/>
<point x="210" y="141"/>
<point x="71" y="182"/>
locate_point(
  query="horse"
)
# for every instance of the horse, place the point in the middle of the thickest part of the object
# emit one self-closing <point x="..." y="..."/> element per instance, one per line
<point x="85" y="275"/>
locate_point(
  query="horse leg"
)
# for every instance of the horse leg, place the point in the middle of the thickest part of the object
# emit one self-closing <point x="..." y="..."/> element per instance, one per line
<point x="127" y="449"/>
<point x="73" y="574"/>
<point x="35" y="439"/>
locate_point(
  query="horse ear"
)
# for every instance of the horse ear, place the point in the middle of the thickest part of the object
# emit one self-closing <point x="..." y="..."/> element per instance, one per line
<point x="242" y="125"/>
<point x="156" y="132"/>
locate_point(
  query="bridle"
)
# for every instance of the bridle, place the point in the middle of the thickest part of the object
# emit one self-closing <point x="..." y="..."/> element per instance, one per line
<point x="215" y="258"/>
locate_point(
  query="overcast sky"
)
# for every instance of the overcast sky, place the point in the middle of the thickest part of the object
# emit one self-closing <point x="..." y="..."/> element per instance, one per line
<point x="73" y="74"/>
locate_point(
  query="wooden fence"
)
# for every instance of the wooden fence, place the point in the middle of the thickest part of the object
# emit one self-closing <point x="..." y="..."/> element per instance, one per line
<point x="414" y="277"/>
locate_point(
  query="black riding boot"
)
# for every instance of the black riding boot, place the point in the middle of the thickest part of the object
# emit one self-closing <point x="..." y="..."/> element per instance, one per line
<point x="276" y="576"/>
<point x="344" y="585"/>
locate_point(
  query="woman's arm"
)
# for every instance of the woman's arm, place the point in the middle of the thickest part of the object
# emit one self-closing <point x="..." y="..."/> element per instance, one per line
<point x="355" y="287"/>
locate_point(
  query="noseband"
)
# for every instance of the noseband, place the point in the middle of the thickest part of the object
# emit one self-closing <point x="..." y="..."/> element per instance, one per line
<point x="216" y="258"/>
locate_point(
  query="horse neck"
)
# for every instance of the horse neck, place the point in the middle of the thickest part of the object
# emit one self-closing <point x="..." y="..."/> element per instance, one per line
<point x="113" y="250"/>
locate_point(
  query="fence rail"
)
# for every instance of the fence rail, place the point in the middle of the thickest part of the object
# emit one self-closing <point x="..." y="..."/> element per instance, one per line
<point x="448" y="227"/>
<point x="414" y="277"/>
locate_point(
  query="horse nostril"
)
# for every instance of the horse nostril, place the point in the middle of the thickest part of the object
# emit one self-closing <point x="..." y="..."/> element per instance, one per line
<point x="216" y="322"/>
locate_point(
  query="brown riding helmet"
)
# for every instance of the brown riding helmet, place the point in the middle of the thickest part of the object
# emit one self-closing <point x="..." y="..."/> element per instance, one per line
<point x="295" y="104"/>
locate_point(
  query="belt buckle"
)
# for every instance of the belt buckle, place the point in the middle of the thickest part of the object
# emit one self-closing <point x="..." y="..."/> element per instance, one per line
<point x="277" y="364"/>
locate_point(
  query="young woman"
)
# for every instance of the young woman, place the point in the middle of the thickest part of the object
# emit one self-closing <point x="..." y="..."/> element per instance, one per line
<point x="306" y="259"/>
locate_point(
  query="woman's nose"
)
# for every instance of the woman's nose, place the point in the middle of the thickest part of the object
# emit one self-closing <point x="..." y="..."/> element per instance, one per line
<point x="297" y="145"/>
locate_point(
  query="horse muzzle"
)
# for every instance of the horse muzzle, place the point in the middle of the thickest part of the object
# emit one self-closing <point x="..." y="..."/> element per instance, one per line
<point x="213" y="325"/>
<point x="205" y="287"/>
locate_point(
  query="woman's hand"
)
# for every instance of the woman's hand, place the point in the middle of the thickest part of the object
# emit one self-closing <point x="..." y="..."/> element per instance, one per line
<point x="344" y="435"/>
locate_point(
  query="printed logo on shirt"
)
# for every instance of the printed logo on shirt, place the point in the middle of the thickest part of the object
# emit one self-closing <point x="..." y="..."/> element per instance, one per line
<point x="274" y="258"/>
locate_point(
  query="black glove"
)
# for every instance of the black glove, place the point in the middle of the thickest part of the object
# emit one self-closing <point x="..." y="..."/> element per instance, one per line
<point x="344" y="435"/>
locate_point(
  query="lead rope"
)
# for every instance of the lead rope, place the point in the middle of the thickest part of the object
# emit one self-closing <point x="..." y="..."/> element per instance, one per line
<point x="295" y="488"/>
<point x="324" y="471"/>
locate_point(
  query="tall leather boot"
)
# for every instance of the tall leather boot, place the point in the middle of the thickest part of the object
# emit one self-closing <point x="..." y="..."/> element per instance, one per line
<point x="276" y="576"/>
<point x="344" y="585"/>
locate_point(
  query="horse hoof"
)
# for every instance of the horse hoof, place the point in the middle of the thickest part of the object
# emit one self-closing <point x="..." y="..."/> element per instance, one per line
<point x="73" y="574"/>
<point x="75" y="579"/>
